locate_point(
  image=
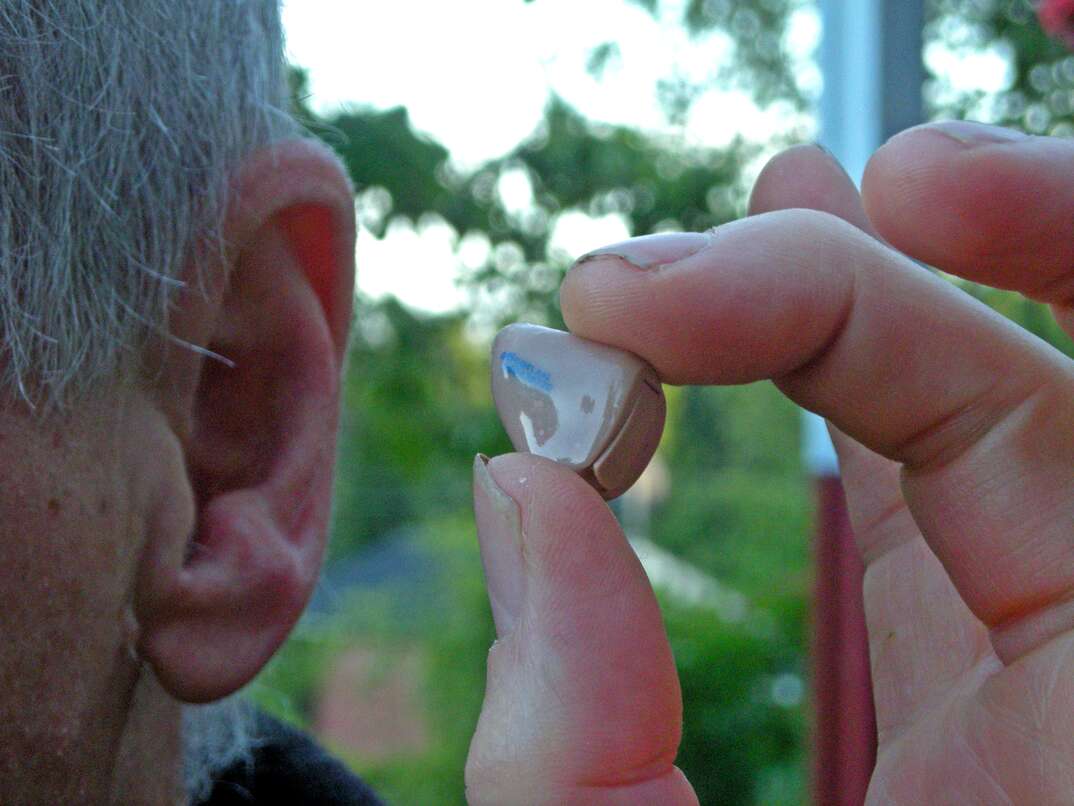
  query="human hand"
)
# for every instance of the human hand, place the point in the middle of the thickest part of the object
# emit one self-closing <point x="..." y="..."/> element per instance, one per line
<point x="956" y="448"/>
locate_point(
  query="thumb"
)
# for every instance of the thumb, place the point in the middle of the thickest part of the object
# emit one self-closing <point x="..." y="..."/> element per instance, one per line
<point x="582" y="703"/>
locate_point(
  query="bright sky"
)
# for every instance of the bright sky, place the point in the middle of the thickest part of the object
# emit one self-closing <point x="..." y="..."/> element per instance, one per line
<point x="476" y="75"/>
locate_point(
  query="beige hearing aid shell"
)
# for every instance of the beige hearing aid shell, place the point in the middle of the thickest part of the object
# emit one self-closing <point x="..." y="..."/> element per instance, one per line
<point x="594" y="408"/>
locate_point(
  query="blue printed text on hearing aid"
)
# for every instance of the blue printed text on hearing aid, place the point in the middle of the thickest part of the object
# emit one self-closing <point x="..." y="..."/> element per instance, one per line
<point x="518" y="367"/>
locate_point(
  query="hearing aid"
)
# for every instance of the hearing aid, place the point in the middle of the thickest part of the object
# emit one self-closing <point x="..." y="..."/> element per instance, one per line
<point x="594" y="408"/>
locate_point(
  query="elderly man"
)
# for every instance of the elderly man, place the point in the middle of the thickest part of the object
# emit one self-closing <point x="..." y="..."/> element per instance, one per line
<point x="175" y="290"/>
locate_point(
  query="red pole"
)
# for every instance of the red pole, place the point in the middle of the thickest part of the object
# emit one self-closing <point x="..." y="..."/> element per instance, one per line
<point x="845" y="722"/>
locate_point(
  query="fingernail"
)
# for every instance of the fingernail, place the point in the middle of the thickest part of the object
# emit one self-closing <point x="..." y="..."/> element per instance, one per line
<point x="834" y="159"/>
<point x="653" y="251"/>
<point x="968" y="133"/>
<point x="825" y="150"/>
<point x="499" y="534"/>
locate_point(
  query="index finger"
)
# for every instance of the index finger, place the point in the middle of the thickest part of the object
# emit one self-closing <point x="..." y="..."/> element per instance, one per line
<point x="975" y="408"/>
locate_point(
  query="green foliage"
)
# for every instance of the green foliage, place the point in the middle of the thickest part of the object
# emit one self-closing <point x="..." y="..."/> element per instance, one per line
<point x="600" y="57"/>
<point x="1040" y="98"/>
<point x="738" y="506"/>
<point x="759" y="62"/>
<point x="383" y="151"/>
<point x="740" y="526"/>
<point x="574" y="164"/>
<point x="571" y="163"/>
<point x="416" y="409"/>
<point x="605" y="169"/>
<point x="743" y="732"/>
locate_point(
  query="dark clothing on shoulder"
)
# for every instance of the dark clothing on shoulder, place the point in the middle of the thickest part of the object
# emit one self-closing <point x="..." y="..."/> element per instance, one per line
<point x="289" y="768"/>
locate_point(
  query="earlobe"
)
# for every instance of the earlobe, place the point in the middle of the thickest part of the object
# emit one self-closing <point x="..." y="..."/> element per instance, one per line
<point x="261" y="440"/>
<point x="219" y="618"/>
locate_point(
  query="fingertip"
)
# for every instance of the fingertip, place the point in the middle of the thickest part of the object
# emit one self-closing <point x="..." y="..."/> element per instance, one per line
<point x="977" y="201"/>
<point x="598" y="295"/>
<point x="804" y="175"/>
<point x="785" y="165"/>
<point x="531" y="480"/>
<point x="727" y="314"/>
<point x="903" y="174"/>
<point x="566" y="524"/>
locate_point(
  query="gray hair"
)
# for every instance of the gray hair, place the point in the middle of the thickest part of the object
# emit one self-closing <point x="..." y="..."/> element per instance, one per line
<point x="120" y="121"/>
<point x="215" y="737"/>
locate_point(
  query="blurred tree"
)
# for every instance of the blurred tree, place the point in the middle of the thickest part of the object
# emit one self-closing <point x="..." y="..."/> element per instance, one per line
<point x="416" y="409"/>
<point x="1038" y="93"/>
<point x="570" y="163"/>
<point x="759" y="62"/>
<point x="742" y="689"/>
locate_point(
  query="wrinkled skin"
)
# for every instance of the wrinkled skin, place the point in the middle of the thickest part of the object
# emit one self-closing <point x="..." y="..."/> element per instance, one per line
<point x="956" y="441"/>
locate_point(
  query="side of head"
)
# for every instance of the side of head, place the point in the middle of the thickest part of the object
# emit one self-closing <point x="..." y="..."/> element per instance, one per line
<point x="176" y="271"/>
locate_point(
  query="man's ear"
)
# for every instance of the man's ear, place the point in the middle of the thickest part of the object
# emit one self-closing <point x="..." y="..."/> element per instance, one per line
<point x="256" y="423"/>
